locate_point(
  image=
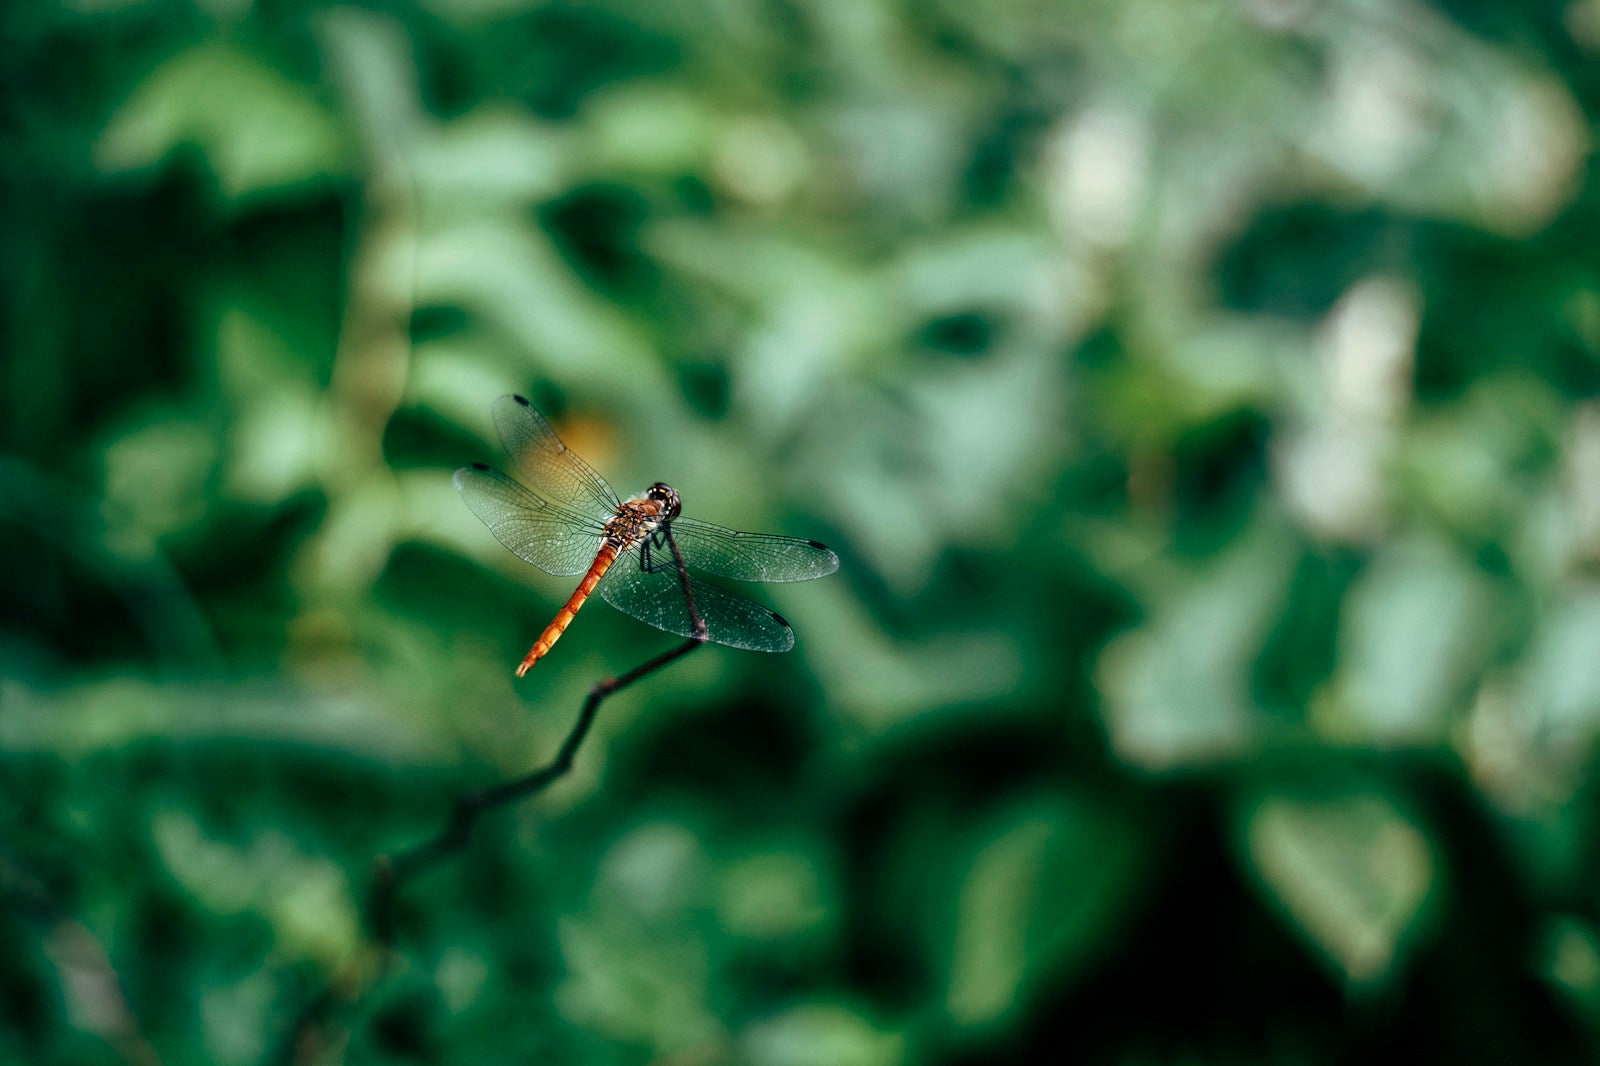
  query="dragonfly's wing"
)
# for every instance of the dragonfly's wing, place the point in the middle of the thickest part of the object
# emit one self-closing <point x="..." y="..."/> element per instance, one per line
<point x="750" y="556"/>
<point x="656" y="597"/>
<point x="550" y="467"/>
<point x="550" y="537"/>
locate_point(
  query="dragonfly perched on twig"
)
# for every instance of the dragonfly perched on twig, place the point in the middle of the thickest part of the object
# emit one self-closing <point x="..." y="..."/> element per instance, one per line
<point x="567" y="521"/>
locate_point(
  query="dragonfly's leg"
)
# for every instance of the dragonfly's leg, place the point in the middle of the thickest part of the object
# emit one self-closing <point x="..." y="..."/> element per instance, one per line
<point x="652" y="554"/>
<point x="658" y="555"/>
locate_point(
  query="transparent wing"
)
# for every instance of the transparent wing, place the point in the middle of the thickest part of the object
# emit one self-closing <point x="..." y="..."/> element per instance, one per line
<point x="655" y="596"/>
<point x="750" y="556"/>
<point x="550" y="537"/>
<point x="551" y="468"/>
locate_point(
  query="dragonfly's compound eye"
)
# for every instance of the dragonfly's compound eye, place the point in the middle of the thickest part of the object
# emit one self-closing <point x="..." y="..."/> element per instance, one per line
<point x="667" y="496"/>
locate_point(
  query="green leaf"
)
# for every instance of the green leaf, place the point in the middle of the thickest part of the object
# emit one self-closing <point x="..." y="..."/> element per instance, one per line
<point x="304" y="897"/>
<point x="1349" y="869"/>
<point x="1416" y="631"/>
<point x="258" y="131"/>
<point x="1177" y="688"/>
<point x="820" y="1034"/>
<point x="1039" y="891"/>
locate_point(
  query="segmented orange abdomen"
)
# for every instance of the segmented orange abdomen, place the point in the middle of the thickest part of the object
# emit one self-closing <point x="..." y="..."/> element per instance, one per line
<point x="558" y="625"/>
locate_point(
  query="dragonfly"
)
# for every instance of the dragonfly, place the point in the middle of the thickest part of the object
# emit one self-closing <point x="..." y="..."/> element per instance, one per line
<point x="566" y="520"/>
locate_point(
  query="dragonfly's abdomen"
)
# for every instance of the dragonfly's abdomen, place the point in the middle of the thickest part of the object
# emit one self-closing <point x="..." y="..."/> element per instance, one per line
<point x="552" y="632"/>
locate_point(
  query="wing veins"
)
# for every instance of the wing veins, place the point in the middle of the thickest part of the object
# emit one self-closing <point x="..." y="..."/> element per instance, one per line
<point x="728" y="553"/>
<point x="556" y="540"/>
<point x="550" y="467"/>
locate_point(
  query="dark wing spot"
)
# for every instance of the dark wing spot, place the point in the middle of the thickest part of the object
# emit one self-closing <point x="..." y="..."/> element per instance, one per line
<point x="781" y="620"/>
<point x="522" y="401"/>
<point x="479" y="466"/>
<point x="818" y="544"/>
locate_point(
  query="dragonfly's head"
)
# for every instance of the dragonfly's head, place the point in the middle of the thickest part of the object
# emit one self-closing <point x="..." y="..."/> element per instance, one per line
<point x="667" y="497"/>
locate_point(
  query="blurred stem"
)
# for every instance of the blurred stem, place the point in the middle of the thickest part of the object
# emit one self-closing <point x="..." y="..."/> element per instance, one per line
<point x="372" y="62"/>
<point x="90" y="988"/>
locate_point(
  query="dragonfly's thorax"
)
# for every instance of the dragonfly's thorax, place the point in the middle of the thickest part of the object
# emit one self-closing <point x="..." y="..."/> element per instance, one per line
<point x="642" y="515"/>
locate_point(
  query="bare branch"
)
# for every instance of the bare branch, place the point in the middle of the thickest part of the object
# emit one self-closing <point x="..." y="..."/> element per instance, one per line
<point x="314" y="1035"/>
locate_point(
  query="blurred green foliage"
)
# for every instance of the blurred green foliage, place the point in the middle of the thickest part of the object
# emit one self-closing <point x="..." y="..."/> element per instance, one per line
<point x="1201" y="395"/>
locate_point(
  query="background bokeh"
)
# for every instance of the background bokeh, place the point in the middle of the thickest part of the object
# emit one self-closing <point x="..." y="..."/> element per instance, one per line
<point x="1200" y="394"/>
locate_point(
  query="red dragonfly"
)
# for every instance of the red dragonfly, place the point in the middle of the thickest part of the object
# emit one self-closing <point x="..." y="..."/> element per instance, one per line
<point x="568" y="521"/>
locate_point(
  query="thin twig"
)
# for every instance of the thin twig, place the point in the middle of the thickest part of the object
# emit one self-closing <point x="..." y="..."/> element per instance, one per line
<point x="310" y="1037"/>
